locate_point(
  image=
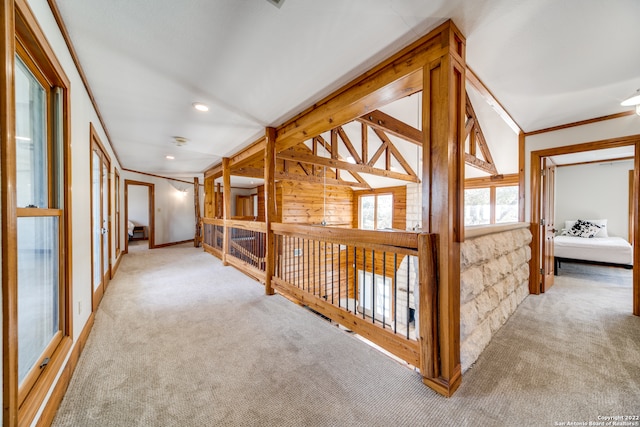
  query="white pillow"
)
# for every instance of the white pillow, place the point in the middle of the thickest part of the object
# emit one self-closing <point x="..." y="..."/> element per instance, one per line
<point x="601" y="222"/>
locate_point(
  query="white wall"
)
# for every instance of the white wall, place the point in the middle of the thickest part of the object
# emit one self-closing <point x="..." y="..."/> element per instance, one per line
<point x="594" y="191"/>
<point x="599" y="131"/>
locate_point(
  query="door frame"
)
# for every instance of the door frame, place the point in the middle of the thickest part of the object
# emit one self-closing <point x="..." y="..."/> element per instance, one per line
<point x="151" y="200"/>
<point x="536" y="194"/>
<point x="96" y="145"/>
<point x="547" y="260"/>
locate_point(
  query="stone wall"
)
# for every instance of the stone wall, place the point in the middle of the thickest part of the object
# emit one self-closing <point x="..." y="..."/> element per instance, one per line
<point x="494" y="280"/>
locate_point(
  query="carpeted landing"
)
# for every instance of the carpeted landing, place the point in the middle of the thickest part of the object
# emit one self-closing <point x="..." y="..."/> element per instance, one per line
<point x="180" y="340"/>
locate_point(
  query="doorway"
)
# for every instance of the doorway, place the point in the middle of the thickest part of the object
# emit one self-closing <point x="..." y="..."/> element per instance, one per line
<point x="139" y="202"/>
<point x="100" y="208"/>
<point x="539" y="193"/>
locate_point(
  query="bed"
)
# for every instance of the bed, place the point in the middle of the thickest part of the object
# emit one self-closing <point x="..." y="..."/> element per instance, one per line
<point x="130" y="227"/>
<point x="592" y="246"/>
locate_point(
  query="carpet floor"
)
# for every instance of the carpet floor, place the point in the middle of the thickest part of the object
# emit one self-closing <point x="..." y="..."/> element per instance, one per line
<point x="180" y="340"/>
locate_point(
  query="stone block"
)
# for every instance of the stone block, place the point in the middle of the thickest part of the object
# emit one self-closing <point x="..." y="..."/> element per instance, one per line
<point x="471" y="283"/>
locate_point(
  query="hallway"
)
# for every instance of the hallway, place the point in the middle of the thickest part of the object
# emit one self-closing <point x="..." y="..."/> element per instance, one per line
<point x="181" y="340"/>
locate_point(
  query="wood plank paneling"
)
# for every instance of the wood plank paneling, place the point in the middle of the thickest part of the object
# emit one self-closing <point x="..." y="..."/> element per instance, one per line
<point x="308" y="203"/>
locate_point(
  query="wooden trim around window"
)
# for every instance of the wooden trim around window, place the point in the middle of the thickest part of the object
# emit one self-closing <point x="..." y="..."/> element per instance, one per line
<point x="17" y="22"/>
<point x="492" y="181"/>
<point x="399" y="220"/>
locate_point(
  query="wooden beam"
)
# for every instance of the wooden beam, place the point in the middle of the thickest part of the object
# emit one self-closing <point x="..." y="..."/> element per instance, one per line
<point x="477" y="138"/>
<point x="379" y="120"/>
<point x="390" y="87"/>
<point x="322" y="161"/>
<point x="473" y="79"/>
<point x="349" y="145"/>
<point x="365" y="143"/>
<point x="480" y="164"/>
<point x="252" y="152"/>
<point x="319" y="180"/>
<point x="334" y="144"/>
<point x="355" y="175"/>
<point x="581" y="123"/>
<point x="270" y="206"/>
<point x="377" y="154"/>
<point x="394" y="151"/>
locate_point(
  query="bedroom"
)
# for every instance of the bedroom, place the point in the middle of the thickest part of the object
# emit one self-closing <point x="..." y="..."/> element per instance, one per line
<point x="591" y="189"/>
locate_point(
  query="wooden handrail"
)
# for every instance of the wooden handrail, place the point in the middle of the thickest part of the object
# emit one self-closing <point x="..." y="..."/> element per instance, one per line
<point x="213" y="221"/>
<point x="246" y="225"/>
<point x="235" y="223"/>
<point x="401" y="242"/>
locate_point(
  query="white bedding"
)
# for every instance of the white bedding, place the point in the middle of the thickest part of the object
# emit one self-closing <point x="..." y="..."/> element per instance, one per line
<point x="130" y="226"/>
<point x="614" y="250"/>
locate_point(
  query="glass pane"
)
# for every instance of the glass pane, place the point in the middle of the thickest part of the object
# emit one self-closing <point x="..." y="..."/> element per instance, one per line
<point x="96" y="165"/>
<point x="385" y="211"/>
<point x="105" y="218"/>
<point x="367" y="209"/>
<point x="38" y="288"/>
<point x="507" y="204"/>
<point x="31" y="143"/>
<point x="477" y="209"/>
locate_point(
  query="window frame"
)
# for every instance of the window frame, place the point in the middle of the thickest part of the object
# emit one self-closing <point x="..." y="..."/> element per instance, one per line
<point x="511" y="180"/>
<point x="375" y="195"/>
<point x="25" y="38"/>
<point x="399" y="205"/>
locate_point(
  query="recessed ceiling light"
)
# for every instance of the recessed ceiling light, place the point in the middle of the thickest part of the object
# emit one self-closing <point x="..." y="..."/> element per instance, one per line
<point x="169" y="157"/>
<point x="200" y="106"/>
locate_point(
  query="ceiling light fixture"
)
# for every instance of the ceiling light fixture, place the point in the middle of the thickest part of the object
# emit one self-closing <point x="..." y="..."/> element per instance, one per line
<point x="180" y="140"/>
<point x="633" y="100"/>
<point x="276" y="3"/>
<point x="200" y="106"/>
<point x="169" y="157"/>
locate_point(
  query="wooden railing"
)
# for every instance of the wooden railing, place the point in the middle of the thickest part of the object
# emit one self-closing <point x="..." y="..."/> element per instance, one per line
<point x="245" y="248"/>
<point x="379" y="284"/>
<point x="213" y="236"/>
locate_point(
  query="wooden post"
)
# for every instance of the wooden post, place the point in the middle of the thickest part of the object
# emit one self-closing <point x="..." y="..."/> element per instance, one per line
<point x="427" y="305"/>
<point x="8" y="213"/>
<point x="217" y="214"/>
<point x="270" y="206"/>
<point x="443" y="106"/>
<point x="226" y="208"/>
<point x="196" y="200"/>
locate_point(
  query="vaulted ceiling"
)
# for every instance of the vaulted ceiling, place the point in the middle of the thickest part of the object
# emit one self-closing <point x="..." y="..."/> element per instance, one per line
<point x="548" y="62"/>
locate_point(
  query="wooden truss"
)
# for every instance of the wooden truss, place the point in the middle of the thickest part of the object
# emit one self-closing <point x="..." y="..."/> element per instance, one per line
<point x="476" y="142"/>
<point x="382" y="125"/>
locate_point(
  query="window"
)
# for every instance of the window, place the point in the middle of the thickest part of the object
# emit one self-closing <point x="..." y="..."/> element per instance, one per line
<point x="374" y="295"/>
<point x="477" y="206"/>
<point x="507" y="204"/>
<point x="38" y="317"/>
<point x="489" y="201"/>
<point x="376" y="211"/>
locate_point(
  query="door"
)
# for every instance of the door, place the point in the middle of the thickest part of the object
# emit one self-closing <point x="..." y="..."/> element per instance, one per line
<point x="100" y="196"/>
<point x="547" y="223"/>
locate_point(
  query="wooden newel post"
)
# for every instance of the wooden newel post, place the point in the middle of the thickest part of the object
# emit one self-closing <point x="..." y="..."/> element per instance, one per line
<point x="270" y="206"/>
<point x="428" y="306"/>
<point x="226" y="207"/>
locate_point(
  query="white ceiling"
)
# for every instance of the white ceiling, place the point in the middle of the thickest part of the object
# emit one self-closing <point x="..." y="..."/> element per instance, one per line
<point x="548" y="62"/>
